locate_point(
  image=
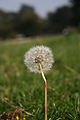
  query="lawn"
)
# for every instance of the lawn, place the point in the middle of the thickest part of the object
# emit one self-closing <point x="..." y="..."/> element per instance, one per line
<point x="21" y="88"/>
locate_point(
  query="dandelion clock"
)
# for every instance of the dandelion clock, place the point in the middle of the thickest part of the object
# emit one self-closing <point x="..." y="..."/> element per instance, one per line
<point x="40" y="59"/>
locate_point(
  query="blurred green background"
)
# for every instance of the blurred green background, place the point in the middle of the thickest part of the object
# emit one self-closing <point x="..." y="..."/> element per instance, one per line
<point x="19" y="87"/>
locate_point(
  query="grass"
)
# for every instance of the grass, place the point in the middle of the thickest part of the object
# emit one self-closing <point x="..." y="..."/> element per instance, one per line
<point x="19" y="87"/>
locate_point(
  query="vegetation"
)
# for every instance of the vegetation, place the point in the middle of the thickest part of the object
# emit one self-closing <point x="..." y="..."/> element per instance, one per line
<point x="27" y="22"/>
<point x="76" y="12"/>
<point x="19" y="87"/>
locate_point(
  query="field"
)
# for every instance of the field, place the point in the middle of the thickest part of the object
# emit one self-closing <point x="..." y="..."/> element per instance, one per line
<point x="21" y="88"/>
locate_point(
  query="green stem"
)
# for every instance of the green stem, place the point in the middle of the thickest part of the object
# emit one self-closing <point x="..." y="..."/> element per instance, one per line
<point x="45" y="91"/>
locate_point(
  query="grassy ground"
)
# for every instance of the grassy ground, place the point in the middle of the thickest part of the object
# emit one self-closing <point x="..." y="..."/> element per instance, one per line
<point x="20" y="87"/>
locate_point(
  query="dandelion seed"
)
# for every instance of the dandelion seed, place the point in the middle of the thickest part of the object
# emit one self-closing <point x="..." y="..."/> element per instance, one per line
<point x="39" y="55"/>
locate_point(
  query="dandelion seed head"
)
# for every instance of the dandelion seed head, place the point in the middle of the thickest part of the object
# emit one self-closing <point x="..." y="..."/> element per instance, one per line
<point x="39" y="55"/>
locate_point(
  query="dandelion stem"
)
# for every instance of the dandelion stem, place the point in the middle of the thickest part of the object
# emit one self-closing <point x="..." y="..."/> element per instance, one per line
<point x="46" y="100"/>
<point x="45" y="91"/>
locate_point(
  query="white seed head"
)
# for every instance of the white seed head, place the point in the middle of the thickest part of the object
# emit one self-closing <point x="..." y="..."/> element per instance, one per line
<point x="39" y="55"/>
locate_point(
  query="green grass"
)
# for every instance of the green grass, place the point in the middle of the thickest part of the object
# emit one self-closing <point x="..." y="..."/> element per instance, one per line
<point x="20" y="87"/>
